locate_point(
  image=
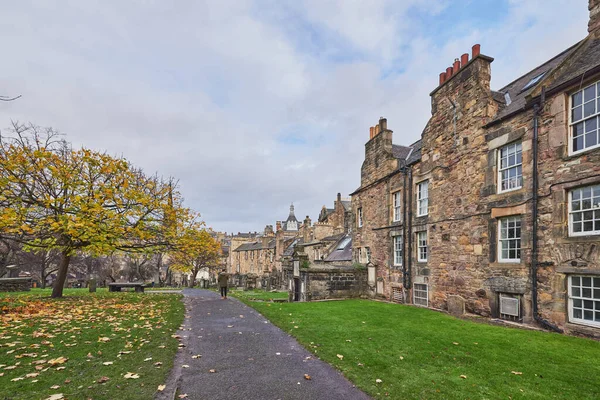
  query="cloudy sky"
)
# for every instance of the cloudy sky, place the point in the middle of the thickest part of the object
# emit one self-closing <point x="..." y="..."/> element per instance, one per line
<point x="253" y="104"/>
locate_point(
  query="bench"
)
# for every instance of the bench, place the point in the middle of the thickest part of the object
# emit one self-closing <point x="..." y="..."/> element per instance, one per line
<point x="116" y="286"/>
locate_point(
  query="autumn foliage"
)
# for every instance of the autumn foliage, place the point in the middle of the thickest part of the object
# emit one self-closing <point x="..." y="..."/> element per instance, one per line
<point x="55" y="197"/>
<point x="195" y="249"/>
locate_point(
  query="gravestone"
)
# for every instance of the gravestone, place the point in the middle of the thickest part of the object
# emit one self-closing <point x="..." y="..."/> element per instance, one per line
<point x="456" y="305"/>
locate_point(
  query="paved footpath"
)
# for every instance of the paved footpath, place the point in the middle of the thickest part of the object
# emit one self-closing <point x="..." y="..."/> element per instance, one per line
<point x="252" y="358"/>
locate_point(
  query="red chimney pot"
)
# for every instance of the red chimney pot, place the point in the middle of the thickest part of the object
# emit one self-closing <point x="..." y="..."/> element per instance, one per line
<point x="448" y="72"/>
<point x="464" y="59"/>
<point x="442" y="77"/>
<point x="476" y="50"/>
<point x="456" y="65"/>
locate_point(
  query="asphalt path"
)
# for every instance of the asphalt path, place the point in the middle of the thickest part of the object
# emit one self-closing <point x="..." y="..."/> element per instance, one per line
<point x="241" y="355"/>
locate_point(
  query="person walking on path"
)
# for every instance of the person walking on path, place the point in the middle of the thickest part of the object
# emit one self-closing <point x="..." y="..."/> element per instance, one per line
<point x="223" y="278"/>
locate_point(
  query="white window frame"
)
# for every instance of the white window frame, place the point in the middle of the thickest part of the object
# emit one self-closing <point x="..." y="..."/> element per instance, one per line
<point x="501" y="240"/>
<point x="595" y="210"/>
<point x="359" y="217"/>
<point x="518" y="166"/>
<point x="422" y="289"/>
<point x="398" y="248"/>
<point x="596" y="115"/>
<point x="422" y="246"/>
<point x="367" y="255"/>
<point x="396" y="206"/>
<point x="584" y="301"/>
<point x="422" y="198"/>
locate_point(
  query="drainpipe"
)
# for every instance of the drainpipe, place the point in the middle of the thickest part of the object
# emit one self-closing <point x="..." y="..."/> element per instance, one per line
<point x="404" y="222"/>
<point x="534" y="240"/>
<point x="409" y="236"/>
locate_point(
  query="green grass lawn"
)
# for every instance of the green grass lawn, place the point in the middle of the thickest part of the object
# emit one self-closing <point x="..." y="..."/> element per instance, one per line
<point x="102" y="336"/>
<point x="257" y="294"/>
<point x="422" y="354"/>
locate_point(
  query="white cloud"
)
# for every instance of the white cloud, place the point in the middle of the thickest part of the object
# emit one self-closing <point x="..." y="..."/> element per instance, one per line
<point x="205" y="91"/>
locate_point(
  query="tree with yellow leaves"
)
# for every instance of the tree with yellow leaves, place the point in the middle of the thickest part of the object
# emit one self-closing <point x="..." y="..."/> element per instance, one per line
<point x="195" y="250"/>
<point x="55" y="197"/>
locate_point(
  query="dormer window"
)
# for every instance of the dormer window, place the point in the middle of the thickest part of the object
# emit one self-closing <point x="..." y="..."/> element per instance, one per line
<point x="533" y="81"/>
<point x="584" y="133"/>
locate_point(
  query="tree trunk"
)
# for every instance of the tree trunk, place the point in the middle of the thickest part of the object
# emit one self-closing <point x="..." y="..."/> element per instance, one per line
<point x="193" y="279"/>
<point x="57" y="290"/>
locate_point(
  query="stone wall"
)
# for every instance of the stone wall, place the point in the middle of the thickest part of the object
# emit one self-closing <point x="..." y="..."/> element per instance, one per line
<point x="15" y="284"/>
<point x="334" y="283"/>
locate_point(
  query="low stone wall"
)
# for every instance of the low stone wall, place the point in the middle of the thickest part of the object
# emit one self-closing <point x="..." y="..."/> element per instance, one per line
<point x="15" y="284"/>
<point x="323" y="284"/>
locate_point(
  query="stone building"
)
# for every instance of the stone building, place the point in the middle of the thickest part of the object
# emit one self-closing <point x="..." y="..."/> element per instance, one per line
<point x="496" y="210"/>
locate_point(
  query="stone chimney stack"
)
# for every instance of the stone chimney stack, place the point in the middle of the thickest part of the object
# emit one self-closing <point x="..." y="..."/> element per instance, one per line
<point x="306" y="229"/>
<point x="278" y="225"/>
<point x="594" y="22"/>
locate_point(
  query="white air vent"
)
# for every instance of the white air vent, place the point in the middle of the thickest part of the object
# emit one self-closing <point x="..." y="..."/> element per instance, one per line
<point x="509" y="306"/>
<point x="397" y="294"/>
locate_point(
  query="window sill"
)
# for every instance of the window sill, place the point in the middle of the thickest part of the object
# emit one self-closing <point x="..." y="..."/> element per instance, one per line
<point x="571" y="156"/>
<point x="508" y="265"/>
<point x="511" y="191"/>
<point x="579" y="239"/>
<point x="582" y="328"/>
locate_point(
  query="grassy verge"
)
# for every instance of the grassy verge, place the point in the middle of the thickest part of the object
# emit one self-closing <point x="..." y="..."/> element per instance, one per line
<point x="257" y="294"/>
<point x="395" y="351"/>
<point x="83" y="346"/>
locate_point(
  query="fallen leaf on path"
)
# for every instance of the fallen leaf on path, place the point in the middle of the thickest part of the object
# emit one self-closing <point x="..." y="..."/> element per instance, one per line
<point x="185" y="366"/>
<point x="183" y="396"/>
<point x="307" y="377"/>
<point x="212" y="371"/>
<point x="197" y="356"/>
<point x="161" y="387"/>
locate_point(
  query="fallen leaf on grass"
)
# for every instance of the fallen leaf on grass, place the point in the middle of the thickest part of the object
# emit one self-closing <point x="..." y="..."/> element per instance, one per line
<point x="55" y="387"/>
<point x="104" y="339"/>
<point x="516" y="373"/>
<point x="107" y="363"/>
<point x="378" y="380"/>
<point x="463" y="376"/>
<point x="148" y="359"/>
<point x="131" y="375"/>
<point x="32" y="375"/>
<point x="17" y="379"/>
<point x="341" y="357"/>
<point x="57" y="396"/>
<point x="59" y="368"/>
<point x="56" y="361"/>
<point x="307" y="377"/>
<point x="103" y="379"/>
<point x="455" y="343"/>
<point x="157" y="364"/>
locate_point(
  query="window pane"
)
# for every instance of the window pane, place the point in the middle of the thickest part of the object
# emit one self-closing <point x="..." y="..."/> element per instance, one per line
<point x="591" y="124"/>
<point x="577" y="114"/>
<point x="575" y="291"/>
<point x="577" y="98"/>
<point x="578" y="143"/>
<point x="586" y="292"/>
<point x="597" y="282"/>
<point x="586" y="281"/>
<point x="589" y="109"/>
<point x="577" y="313"/>
<point x="575" y="281"/>
<point x="577" y="227"/>
<point x="577" y="303"/>
<point x="588" y="315"/>
<point x="589" y="93"/>
<point x="591" y="139"/>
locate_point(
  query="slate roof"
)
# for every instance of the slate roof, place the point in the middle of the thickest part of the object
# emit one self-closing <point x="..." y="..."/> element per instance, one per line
<point x="290" y="249"/>
<point x="333" y="238"/>
<point x="344" y="254"/>
<point x="256" y="246"/>
<point x="584" y="59"/>
<point x="400" y="152"/>
<point x="415" y="154"/>
<point x="347" y="204"/>
<point x="515" y="88"/>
